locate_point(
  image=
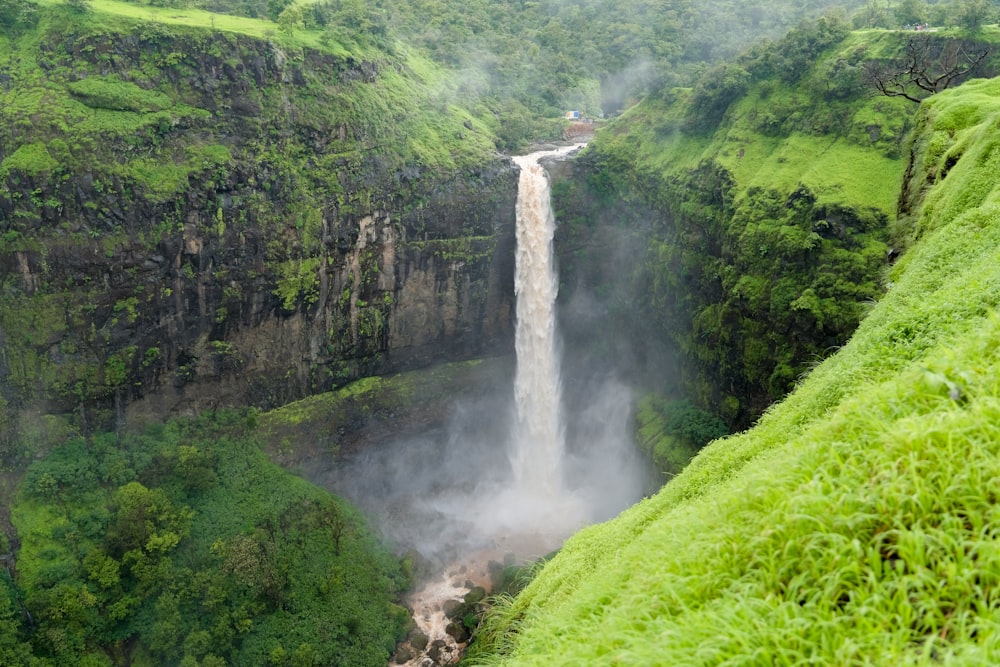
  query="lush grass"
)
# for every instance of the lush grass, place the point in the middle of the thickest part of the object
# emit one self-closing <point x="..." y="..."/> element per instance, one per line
<point x="100" y="92"/>
<point x="834" y="169"/>
<point x="855" y="524"/>
<point x="100" y="11"/>
<point x="962" y="144"/>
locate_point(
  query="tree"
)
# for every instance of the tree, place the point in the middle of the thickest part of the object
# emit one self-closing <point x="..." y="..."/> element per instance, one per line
<point x="873" y="15"/>
<point x="928" y="67"/>
<point x="251" y="561"/>
<point x="145" y="520"/>
<point x="973" y="14"/>
<point x="911" y="12"/>
<point x="291" y="19"/>
<point x="13" y="649"/>
<point x="710" y="99"/>
<point x="275" y="7"/>
<point x="16" y="14"/>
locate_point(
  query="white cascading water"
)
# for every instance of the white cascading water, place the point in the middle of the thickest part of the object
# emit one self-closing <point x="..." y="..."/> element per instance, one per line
<point x="534" y="512"/>
<point x="539" y="436"/>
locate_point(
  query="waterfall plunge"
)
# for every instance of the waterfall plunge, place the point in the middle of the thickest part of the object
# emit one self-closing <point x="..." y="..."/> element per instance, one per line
<point x="537" y="500"/>
<point x="553" y="489"/>
<point x="538" y="439"/>
<point x="505" y="474"/>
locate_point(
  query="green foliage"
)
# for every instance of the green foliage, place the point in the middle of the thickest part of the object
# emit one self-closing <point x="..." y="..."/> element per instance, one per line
<point x="33" y="159"/>
<point x="672" y="432"/>
<point x="957" y="143"/>
<point x="795" y="53"/>
<point x="770" y="232"/>
<point x="188" y="544"/>
<point x="852" y="524"/>
<point x="911" y="12"/>
<point x="17" y="15"/>
<point x="367" y="398"/>
<point x="14" y="650"/>
<point x="112" y="93"/>
<point x="590" y="55"/>
<point x="973" y="14"/>
<point x="713" y="94"/>
<point x="966" y="14"/>
<point x="298" y="283"/>
<point x="360" y="20"/>
<point x="545" y="56"/>
<point x="788" y="60"/>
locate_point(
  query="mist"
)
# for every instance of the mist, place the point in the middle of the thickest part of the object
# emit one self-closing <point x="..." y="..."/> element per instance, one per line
<point x="520" y="467"/>
<point x="449" y="491"/>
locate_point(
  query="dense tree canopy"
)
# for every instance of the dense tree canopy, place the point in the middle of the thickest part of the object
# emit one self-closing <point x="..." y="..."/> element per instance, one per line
<point x="182" y="545"/>
<point x="17" y="14"/>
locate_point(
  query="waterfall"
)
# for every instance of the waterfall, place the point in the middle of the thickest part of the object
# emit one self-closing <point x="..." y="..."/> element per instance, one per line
<point x="448" y="494"/>
<point x="538" y="439"/>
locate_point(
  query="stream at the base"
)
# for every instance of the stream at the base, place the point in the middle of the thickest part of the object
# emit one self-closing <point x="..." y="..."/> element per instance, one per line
<point x="513" y="473"/>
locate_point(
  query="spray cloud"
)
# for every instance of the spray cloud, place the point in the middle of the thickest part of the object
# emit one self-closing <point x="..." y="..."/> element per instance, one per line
<point x="501" y="475"/>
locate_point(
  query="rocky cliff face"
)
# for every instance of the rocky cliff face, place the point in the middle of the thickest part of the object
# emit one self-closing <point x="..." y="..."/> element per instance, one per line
<point x="191" y="220"/>
<point x="379" y="301"/>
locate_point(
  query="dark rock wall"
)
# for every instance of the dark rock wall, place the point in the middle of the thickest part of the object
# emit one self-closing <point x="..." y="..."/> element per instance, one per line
<point x="226" y="223"/>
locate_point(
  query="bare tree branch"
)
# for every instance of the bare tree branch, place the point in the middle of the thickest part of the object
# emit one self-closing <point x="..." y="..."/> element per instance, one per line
<point x="929" y="66"/>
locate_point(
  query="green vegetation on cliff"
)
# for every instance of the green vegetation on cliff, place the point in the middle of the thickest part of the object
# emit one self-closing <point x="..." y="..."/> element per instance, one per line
<point x="371" y="409"/>
<point x="169" y="180"/>
<point x="855" y="523"/>
<point x="672" y="432"/>
<point x="767" y="193"/>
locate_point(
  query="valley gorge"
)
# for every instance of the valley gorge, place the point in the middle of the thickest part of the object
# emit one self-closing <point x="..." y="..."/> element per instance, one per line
<point x="260" y="358"/>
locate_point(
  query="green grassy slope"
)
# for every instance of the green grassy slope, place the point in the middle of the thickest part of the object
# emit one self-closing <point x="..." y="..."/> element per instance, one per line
<point x="193" y="17"/>
<point x="855" y="524"/>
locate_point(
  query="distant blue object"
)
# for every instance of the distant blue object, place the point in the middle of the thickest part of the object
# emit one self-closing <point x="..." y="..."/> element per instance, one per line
<point x="572" y="115"/>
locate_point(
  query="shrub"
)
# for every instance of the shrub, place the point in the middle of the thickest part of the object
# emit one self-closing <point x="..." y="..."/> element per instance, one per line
<point x="100" y="92"/>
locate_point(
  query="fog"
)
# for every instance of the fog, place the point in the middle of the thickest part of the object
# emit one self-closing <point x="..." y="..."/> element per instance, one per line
<point x="451" y="490"/>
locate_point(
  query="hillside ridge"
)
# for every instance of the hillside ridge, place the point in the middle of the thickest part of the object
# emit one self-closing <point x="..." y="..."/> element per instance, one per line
<point x="851" y="524"/>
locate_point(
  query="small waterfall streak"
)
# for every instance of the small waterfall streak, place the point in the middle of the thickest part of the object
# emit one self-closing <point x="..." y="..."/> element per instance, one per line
<point x="538" y="439"/>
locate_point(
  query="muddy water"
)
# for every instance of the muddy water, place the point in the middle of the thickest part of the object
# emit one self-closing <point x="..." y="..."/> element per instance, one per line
<point x="436" y="600"/>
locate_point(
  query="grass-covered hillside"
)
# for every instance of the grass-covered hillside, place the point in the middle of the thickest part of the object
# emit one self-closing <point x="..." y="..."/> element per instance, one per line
<point x="856" y="522"/>
<point x="765" y="197"/>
